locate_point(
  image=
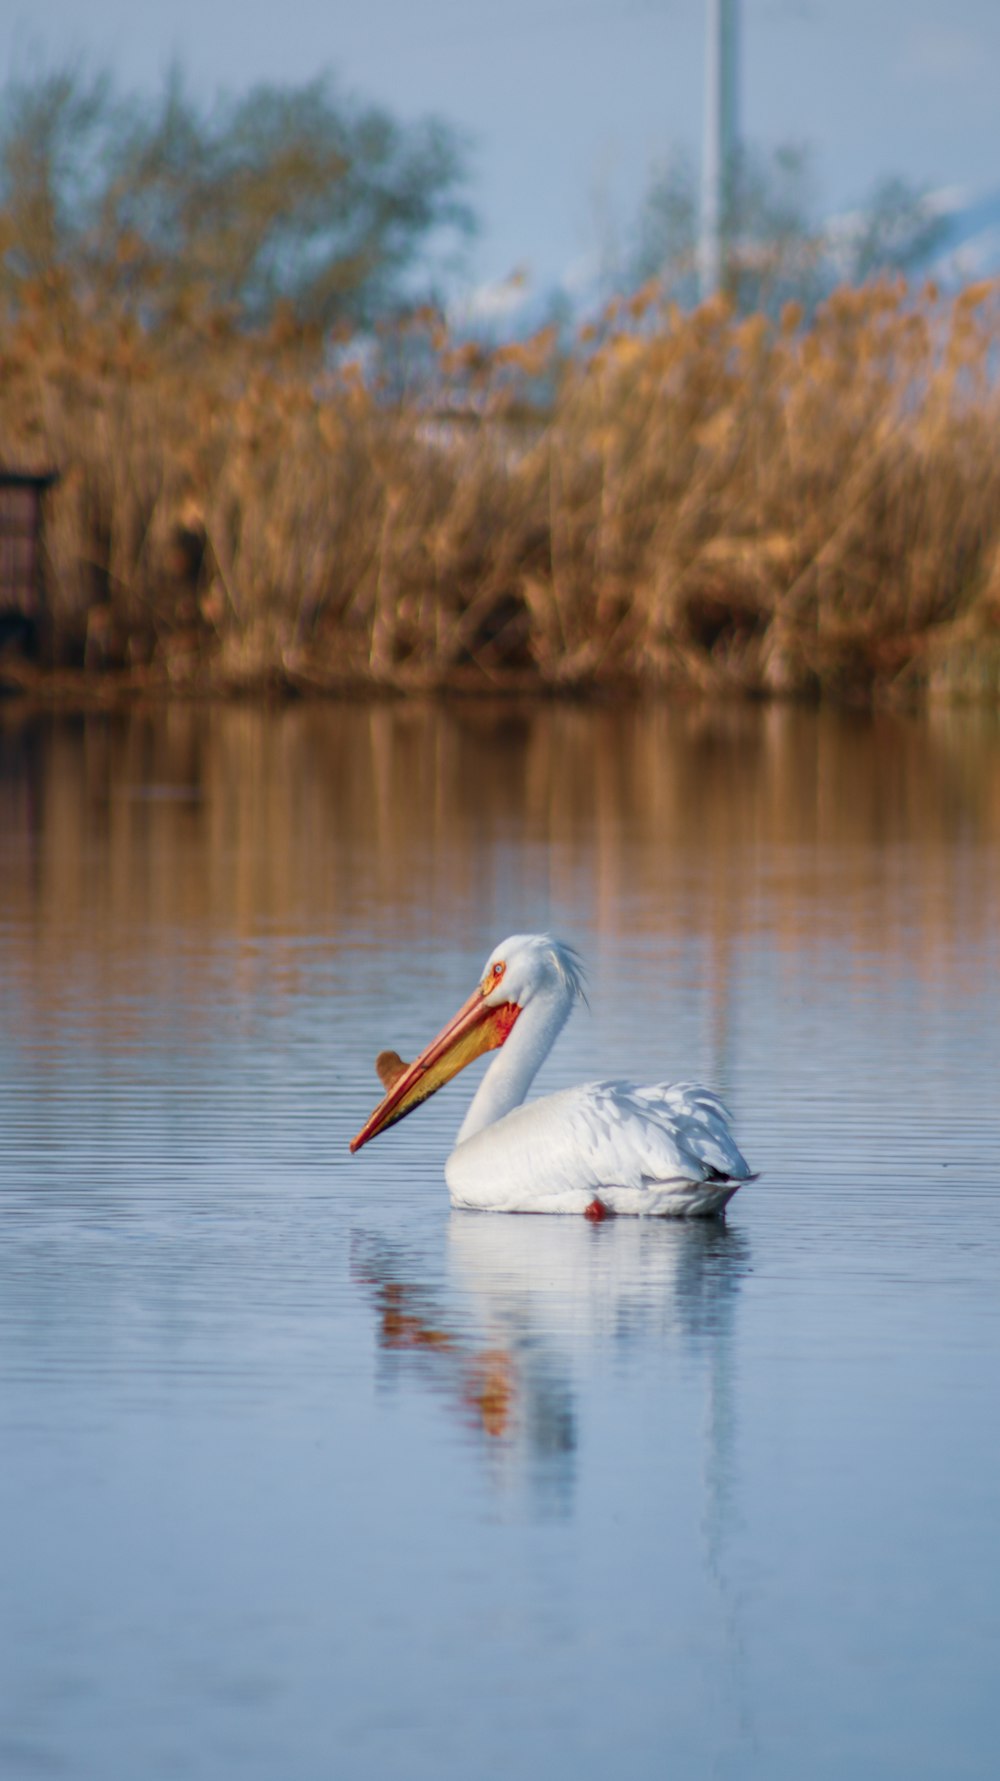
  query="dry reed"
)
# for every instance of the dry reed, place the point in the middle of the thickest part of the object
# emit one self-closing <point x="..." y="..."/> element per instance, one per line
<point x="700" y="501"/>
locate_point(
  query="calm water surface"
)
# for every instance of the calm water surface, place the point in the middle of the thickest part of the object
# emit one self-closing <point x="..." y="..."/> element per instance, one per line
<point x="304" y="1475"/>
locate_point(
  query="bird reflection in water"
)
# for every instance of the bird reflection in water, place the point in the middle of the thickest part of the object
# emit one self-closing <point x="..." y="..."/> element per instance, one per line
<point x="502" y="1321"/>
<point x="482" y="1382"/>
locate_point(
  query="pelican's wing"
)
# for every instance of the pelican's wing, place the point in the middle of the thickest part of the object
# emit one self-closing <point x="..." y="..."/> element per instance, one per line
<point x="665" y="1132"/>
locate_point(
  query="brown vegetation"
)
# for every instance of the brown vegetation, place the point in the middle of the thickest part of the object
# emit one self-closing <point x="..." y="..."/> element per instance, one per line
<point x="700" y="501"/>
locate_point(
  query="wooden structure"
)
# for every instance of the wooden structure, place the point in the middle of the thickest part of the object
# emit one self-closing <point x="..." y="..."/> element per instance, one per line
<point x="22" y="586"/>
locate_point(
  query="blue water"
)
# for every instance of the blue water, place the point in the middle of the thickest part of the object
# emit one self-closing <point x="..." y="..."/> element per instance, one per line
<point x="303" y="1474"/>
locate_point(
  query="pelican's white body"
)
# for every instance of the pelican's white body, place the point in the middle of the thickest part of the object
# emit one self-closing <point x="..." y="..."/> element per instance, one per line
<point x="657" y="1151"/>
<point x="661" y="1151"/>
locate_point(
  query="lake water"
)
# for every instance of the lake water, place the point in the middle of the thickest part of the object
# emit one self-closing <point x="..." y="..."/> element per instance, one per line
<point x="304" y="1475"/>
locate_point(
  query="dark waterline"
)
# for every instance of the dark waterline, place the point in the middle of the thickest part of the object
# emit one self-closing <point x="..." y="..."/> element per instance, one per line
<point x="306" y="1475"/>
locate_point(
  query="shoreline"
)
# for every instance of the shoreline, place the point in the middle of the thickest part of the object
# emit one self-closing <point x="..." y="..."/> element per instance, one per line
<point x="72" y="690"/>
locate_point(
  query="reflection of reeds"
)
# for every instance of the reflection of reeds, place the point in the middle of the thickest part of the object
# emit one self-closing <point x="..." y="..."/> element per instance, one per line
<point x="707" y="501"/>
<point x="131" y="846"/>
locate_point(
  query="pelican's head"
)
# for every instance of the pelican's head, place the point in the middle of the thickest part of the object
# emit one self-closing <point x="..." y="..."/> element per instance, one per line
<point x="517" y="972"/>
<point x="528" y="965"/>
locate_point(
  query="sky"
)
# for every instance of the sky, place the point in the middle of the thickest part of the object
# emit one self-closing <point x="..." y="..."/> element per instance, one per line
<point x="566" y="104"/>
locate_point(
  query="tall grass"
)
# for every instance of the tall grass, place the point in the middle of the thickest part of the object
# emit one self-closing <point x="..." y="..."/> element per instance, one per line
<point x="693" y="500"/>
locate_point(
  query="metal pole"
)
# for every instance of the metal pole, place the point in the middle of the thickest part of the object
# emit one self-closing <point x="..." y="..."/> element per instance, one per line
<point x="721" y="141"/>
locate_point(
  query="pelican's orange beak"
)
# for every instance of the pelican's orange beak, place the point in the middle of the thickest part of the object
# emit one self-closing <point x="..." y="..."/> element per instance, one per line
<point x="475" y="1028"/>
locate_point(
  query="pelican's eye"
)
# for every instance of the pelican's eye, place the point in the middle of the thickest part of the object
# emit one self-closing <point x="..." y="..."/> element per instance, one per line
<point x="498" y="971"/>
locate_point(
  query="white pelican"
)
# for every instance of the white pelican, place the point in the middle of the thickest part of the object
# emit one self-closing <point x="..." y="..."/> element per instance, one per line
<point x="605" y="1147"/>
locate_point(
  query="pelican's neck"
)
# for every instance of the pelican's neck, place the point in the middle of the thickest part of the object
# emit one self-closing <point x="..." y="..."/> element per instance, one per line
<point x="516" y="1065"/>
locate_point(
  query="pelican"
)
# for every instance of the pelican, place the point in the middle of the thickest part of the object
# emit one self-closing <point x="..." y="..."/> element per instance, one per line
<point x="664" y="1151"/>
